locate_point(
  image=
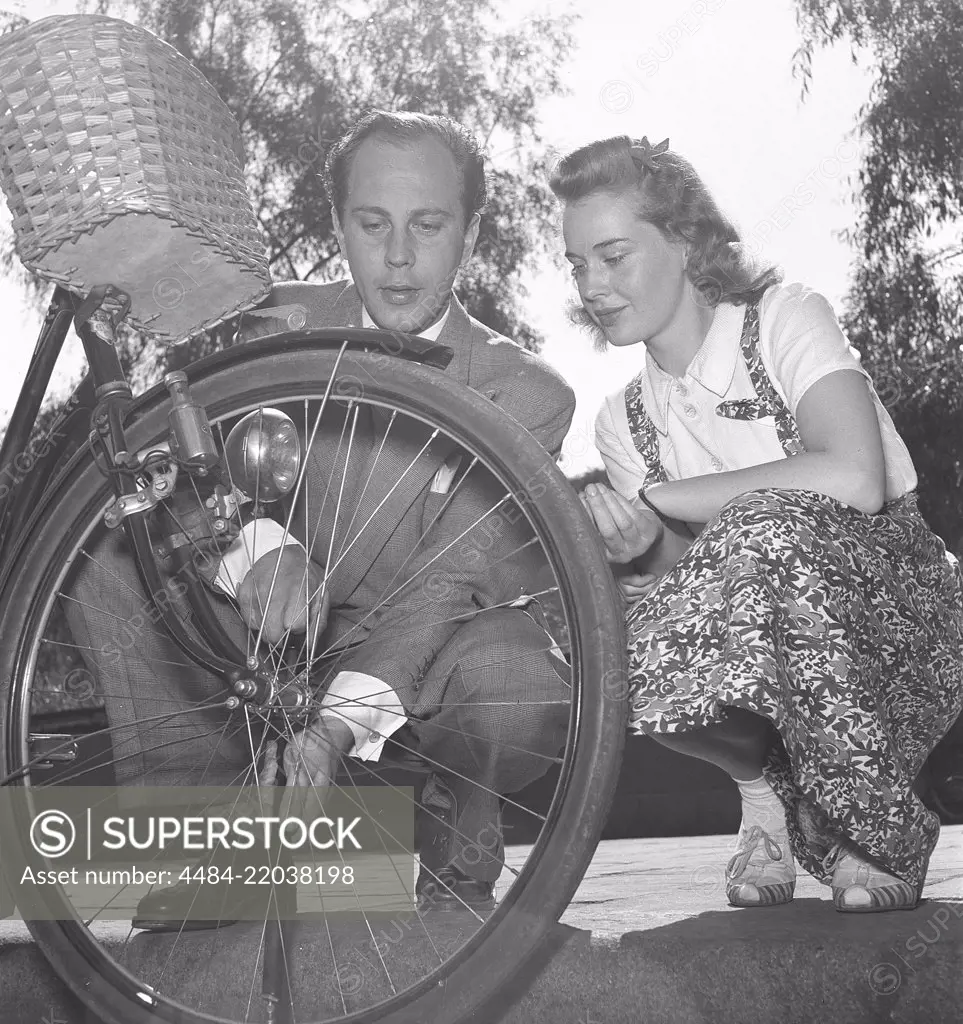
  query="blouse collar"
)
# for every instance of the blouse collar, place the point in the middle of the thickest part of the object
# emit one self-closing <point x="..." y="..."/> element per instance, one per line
<point x="713" y="366"/>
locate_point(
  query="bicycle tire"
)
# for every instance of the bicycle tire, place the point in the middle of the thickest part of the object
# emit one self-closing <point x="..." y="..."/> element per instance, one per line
<point x="476" y="977"/>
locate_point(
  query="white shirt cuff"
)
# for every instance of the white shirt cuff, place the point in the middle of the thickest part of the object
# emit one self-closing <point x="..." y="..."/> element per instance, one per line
<point x="369" y="707"/>
<point x="259" y="537"/>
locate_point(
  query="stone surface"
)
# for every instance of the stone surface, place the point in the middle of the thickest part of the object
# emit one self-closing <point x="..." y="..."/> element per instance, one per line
<point x="648" y="937"/>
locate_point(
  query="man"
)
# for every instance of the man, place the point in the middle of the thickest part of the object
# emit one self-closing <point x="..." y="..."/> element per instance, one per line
<point x="472" y="685"/>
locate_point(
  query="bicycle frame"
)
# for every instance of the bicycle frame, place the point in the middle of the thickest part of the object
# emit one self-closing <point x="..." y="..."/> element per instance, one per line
<point x="16" y="497"/>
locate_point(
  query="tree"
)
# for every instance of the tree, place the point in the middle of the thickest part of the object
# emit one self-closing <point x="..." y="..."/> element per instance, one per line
<point x="904" y="309"/>
<point x="297" y="73"/>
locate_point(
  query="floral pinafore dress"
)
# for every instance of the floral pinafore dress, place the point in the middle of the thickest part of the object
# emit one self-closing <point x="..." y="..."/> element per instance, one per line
<point x="844" y="629"/>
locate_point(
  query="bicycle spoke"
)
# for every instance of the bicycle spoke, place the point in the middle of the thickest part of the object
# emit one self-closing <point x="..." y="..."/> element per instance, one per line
<point x="337" y="514"/>
<point x="317" y="791"/>
<point x="364" y="807"/>
<point x="334" y="957"/>
<point x="431" y="561"/>
<point x="254" y="973"/>
<point x="33" y="763"/>
<point x="183" y="924"/>
<point x="382" y="503"/>
<point x="401" y="633"/>
<point x="384" y="845"/>
<point x="300" y="480"/>
<point x="310" y="636"/>
<point x="437" y="817"/>
<point x="424" y="534"/>
<point x="111" y="573"/>
<point x="119" y="759"/>
<point x="368" y="479"/>
<point x="381" y="828"/>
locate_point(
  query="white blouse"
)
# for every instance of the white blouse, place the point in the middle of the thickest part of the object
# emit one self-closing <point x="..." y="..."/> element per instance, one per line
<point x="800" y="341"/>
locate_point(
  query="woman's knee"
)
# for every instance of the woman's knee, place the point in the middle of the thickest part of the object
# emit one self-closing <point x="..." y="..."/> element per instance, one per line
<point x="771" y="502"/>
<point x="773" y="519"/>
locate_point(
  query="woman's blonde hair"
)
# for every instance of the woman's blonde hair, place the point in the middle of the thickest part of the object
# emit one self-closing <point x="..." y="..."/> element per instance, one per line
<point x="673" y="198"/>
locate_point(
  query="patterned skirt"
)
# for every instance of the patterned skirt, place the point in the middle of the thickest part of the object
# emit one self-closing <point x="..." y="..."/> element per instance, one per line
<point x="845" y="630"/>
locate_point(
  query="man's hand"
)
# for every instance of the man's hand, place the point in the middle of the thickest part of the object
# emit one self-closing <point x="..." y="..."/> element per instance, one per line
<point x="628" y="529"/>
<point x="286" y="610"/>
<point x="312" y="756"/>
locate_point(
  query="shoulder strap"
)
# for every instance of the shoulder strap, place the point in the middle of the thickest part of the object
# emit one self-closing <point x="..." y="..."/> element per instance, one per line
<point x="768" y="401"/>
<point x="643" y="432"/>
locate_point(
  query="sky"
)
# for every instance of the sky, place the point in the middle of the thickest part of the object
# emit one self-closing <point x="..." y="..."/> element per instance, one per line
<point x="715" y="77"/>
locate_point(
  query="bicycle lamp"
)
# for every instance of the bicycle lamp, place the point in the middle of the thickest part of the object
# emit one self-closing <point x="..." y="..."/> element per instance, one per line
<point x="263" y="454"/>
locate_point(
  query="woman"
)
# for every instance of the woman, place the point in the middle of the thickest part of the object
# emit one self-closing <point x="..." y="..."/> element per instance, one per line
<point x="791" y="618"/>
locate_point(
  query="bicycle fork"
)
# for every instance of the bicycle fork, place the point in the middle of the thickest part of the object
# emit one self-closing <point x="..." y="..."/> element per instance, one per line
<point x="192" y="447"/>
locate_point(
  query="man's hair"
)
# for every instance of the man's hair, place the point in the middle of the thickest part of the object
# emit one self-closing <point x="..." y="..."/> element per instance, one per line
<point x="401" y="128"/>
<point x="674" y="199"/>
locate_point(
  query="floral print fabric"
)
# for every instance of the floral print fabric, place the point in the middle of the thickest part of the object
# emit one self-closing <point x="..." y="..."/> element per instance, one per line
<point x="843" y="629"/>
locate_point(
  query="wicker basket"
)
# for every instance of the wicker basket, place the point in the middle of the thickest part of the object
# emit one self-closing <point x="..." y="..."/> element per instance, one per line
<point x="121" y="165"/>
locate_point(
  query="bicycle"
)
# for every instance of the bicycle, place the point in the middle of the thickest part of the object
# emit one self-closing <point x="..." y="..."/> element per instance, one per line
<point x="164" y="469"/>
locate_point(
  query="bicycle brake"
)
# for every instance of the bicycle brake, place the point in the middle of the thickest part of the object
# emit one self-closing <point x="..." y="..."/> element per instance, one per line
<point x="209" y="525"/>
<point x="156" y="483"/>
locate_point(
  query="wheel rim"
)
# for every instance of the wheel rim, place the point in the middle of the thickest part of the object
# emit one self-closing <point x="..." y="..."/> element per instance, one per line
<point x="81" y="939"/>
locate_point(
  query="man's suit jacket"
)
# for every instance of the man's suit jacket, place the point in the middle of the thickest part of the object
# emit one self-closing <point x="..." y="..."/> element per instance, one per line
<point x="454" y="563"/>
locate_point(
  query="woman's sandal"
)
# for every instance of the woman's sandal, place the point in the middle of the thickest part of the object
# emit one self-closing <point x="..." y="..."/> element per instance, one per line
<point x="860" y="887"/>
<point x="761" y="872"/>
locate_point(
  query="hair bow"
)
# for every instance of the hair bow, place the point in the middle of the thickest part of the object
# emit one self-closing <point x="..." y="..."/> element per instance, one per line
<point x="644" y="152"/>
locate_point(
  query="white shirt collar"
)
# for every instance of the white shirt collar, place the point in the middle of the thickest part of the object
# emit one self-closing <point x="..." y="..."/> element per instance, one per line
<point x="712" y="366"/>
<point x="429" y="333"/>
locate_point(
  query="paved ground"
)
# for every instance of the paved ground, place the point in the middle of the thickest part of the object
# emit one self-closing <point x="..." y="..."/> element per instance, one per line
<point x="648" y="938"/>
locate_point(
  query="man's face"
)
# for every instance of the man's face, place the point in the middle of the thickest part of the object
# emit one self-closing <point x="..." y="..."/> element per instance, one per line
<point x="403" y="230"/>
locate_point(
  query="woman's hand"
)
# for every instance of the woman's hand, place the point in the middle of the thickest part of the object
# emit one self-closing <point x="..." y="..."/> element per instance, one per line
<point x="635" y="586"/>
<point x="627" y="529"/>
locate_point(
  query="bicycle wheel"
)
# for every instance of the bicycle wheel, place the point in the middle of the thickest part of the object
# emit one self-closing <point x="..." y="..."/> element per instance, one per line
<point x="435" y="967"/>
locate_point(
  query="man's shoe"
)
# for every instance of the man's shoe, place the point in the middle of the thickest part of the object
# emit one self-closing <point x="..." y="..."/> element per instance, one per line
<point x="452" y="891"/>
<point x="191" y="907"/>
<point x="459" y="824"/>
<point x="196" y="906"/>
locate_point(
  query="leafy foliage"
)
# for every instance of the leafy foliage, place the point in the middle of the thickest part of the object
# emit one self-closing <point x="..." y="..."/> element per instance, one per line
<point x="904" y="309"/>
<point x="297" y="73"/>
<point x="9" y="22"/>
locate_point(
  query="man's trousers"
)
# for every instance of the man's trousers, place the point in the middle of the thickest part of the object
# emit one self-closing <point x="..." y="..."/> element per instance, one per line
<point x="491" y="711"/>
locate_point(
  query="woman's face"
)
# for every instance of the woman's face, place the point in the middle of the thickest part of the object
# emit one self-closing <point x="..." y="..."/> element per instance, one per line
<point x="630" y="278"/>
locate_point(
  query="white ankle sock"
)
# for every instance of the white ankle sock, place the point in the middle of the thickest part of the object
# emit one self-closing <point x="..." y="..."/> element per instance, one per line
<point x="761" y="806"/>
<point x="760" y="862"/>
